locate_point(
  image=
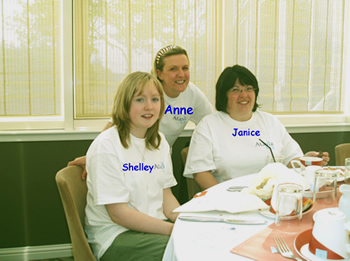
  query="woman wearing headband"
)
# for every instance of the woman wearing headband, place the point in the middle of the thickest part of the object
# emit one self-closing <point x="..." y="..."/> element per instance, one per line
<point x="184" y="101"/>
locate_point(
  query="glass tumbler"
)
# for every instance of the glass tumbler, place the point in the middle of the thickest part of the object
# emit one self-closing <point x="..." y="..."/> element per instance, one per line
<point x="347" y="171"/>
<point x="325" y="189"/>
<point x="289" y="207"/>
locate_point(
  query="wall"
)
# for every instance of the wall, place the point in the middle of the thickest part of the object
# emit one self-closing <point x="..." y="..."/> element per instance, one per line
<point x="31" y="210"/>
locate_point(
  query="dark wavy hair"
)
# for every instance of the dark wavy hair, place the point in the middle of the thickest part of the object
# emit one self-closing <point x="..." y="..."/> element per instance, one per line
<point x="227" y="80"/>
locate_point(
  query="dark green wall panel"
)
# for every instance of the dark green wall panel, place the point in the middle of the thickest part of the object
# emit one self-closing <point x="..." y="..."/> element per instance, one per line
<point x="32" y="213"/>
<point x="31" y="209"/>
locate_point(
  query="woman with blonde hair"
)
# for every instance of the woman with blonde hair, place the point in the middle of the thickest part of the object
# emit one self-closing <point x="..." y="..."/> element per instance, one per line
<point x="184" y="101"/>
<point x="130" y="177"/>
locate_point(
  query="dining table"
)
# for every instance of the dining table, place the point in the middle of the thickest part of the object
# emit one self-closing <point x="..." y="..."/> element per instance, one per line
<point x="197" y="240"/>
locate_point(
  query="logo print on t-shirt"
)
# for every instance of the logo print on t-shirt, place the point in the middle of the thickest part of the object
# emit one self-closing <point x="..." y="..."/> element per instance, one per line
<point x="142" y="167"/>
<point x="269" y="143"/>
<point x="182" y="120"/>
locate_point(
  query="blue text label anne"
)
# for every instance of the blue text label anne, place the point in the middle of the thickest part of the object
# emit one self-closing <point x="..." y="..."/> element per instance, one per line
<point x="178" y="110"/>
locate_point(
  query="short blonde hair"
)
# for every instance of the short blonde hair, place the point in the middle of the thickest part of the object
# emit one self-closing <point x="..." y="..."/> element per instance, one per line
<point x="128" y="87"/>
<point x="158" y="63"/>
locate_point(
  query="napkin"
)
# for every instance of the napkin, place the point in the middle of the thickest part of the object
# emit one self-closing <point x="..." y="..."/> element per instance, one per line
<point x="233" y="202"/>
<point x="270" y="176"/>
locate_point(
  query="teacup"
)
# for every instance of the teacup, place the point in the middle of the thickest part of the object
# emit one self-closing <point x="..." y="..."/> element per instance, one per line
<point x="309" y="161"/>
<point x="303" y="162"/>
<point x="330" y="238"/>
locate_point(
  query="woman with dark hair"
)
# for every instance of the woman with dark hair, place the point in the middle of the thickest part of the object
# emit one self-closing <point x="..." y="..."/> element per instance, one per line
<point x="230" y="142"/>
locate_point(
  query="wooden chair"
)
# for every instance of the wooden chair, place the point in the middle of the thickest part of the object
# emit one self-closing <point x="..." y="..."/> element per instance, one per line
<point x="73" y="191"/>
<point x="192" y="186"/>
<point x="342" y="151"/>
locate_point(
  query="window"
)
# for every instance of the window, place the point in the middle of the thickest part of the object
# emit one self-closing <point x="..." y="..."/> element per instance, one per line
<point x="114" y="38"/>
<point x="30" y="60"/>
<point x="61" y="60"/>
<point x="297" y="49"/>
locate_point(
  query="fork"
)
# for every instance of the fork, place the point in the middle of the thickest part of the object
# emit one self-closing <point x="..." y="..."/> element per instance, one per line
<point x="284" y="249"/>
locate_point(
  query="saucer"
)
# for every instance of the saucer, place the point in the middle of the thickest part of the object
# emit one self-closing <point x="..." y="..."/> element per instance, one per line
<point x="339" y="170"/>
<point x="301" y="245"/>
<point x="305" y="252"/>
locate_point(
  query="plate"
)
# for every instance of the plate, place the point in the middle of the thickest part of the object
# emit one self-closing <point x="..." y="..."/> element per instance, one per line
<point x="267" y="211"/>
<point x="339" y="170"/>
<point x="320" y="194"/>
<point x="301" y="245"/>
<point x="301" y="241"/>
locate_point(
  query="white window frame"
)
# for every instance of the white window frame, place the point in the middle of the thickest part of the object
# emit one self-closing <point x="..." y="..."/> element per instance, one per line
<point x="306" y="122"/>
<point x="65" y="127"/>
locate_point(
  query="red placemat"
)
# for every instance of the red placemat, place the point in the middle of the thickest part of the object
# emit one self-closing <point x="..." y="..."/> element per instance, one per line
<point x="258" y="247"/>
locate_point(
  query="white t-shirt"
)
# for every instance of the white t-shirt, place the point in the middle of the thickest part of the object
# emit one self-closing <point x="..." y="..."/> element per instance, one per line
<point x="193" y="101"/>
<point x="136" y="176"/>
<point x="220" y="145"/>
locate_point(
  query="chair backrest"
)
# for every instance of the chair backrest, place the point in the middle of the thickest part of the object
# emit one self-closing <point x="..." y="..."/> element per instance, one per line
<point x="342" y="151"/>
<point x="73" y="191"/>
<point x="192" y="186"/>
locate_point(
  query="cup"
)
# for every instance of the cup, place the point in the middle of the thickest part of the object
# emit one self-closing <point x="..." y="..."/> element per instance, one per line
<point x="344" y="201"/>
<point x="303" y="162"/>
<point x="330" y="238"/>
<point x="289" y="207"/>
<point x="297" y="166"/>
<point x="347" y="171"/>
<point x="325" y="188"/>
<point x="309" y="175"/>
<point x="310" y="161"/>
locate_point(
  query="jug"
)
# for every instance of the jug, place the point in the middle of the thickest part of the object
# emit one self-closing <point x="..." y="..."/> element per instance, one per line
<point x="344" y="201"/>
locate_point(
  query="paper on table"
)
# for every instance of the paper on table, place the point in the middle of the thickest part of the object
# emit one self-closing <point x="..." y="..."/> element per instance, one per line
<point x="233" y="202"/>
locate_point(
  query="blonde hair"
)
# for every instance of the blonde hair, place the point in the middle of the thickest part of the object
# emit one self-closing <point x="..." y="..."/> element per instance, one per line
<point x="158" y="63"/>
<point x="129" y="86"/>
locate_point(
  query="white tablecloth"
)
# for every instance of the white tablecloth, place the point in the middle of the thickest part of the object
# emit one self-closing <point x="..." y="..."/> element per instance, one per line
<point x="212" y="240"/>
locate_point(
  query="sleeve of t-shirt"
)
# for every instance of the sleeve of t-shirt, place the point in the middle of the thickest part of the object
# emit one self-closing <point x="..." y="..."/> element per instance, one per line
<point x="202" y="106"/>
<point x="170" y="180"/>
<point x="105" y="177"/>
<point x="200" y="155"/>
<point x="291" y="148"/>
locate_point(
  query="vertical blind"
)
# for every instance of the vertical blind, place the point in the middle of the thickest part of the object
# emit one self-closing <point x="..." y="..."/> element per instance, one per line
<point x="114" y="38"/>
<point x="30" y="58"/>
<point x="295" y="48"/>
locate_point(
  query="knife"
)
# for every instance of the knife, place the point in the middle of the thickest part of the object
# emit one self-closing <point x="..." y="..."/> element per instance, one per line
<point x="231" y="221"/>
<point x="236" y="188"/>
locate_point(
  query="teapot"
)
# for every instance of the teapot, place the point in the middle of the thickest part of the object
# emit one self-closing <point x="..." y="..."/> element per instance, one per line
<point x="344" y="201"/>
